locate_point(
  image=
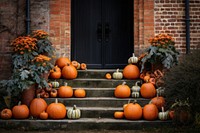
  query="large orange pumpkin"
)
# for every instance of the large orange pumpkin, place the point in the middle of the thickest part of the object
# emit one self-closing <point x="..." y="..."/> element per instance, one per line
<point x="56" y="110"/>
<point x="131" y="72"/>
<point x="150" y="112"/>
<point x="148" y="90"/>
<point x="69" y="72"/>
<point x="37" y="106"/>
<point x="55" y="73"/>
<point x="122" y="91"/>
<point x="20" y="111"/>
<point x="65" y="91"/>
<point x="133" y="111"/>
<point x="159" y="101"/>
<point x="80" y="92"/>
<point x="6" y="114"/>
<point x="62" y="61"/>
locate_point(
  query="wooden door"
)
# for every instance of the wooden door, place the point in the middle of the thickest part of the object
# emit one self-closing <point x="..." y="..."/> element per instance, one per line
<point x="102" y="32"/>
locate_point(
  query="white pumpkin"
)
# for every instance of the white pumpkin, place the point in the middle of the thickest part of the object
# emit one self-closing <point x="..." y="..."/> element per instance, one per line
<point x="135" y="94"/>
<point x="55" y="84"/>
<point x="133" y="59"/>
<point x="136" y="87"/>
<point x="160" y="91"/>
<point x="74" y="113"/>
<point x="117" y="75"/>
<point x="163" y="115"/>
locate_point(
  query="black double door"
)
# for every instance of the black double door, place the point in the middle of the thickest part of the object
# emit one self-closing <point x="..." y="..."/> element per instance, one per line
<point x="102" y="32"/>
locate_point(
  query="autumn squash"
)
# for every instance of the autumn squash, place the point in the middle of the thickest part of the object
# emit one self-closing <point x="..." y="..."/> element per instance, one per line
<point x="136" y="87"/>
<point x="83" y="66"/>
<point x="147" y="90"/>
<point x="6" y="114"/>
<point x="69" y="72"/>
<point x="171" y="114"/>
<point x="117" y="74"/>
<point x="53" y="93"/>
<point x="56" y="110"/>
<point x="76" y="64"/>
<point x="131" y="72"/>
<point x="122" y="91"/>
<point x="146" y="78"/>
<point x="55" y="84"/>
<point x="55" y="73"/>
<point x="108" y="76"/>
<point x="163" y="115"/>
<point x="159" y="101"/>
<point x="80" y="93"/>
<point x="150" y="112"/>
<point x="74" y="113"/>
<point x="133" y="59"/>
<point x="37" y="106"/>
<point x="44" y="115"/>
<point x="135" y="94"/>
<point x="65" y="91"/>
<point x="20" y="111"/>
<point x="133" y="111"/>
<point x="62" y="61"/>
<point x="118" y="114"/>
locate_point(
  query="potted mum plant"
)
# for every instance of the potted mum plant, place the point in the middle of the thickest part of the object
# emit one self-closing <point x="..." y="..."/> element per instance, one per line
<point x="32" y="59"/>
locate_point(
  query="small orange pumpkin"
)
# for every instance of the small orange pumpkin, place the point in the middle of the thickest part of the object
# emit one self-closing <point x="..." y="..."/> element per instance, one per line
<point x="146" y="78"/>
<point x="80" y="93"/>
<point x="83" y="66"/>
<point x="6" y="114"/>
<point x="108" y="76"/>
<point x="133" y="111"/>
<point x="76" y="64"/>
<point x="65" y="91"/>
<point x="69" y="72"/>
<point x="55" y="73"/>
<point x="62" y="61"/>
<point x="159" y="101"/>
<point x="56" y="110"/>
<point x="37" y="106"/>
<point x="131" y="72"/>
<point x="148" y="90"/>
<point x="118" y="114"/>
<point x="20" y="111"/>
<point x="122" y="91"/>
<point x="44" y="115"/>
<point x="150" y="112"/>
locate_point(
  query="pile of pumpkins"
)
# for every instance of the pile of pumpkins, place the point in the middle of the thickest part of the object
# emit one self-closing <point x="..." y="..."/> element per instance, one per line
<point x="66" y="69"/>
<point x="39" y="109"/>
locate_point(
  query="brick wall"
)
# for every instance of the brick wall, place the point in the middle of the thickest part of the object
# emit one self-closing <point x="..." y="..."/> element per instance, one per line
<point x="150" y="17"/>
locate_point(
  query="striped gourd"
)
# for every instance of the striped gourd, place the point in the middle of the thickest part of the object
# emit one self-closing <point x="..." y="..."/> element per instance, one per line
<point x="74" y="113"/>
<point x="55" y="84"/>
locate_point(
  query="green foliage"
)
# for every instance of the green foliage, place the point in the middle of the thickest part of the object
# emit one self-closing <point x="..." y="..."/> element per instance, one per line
<point x="182" y="81"/>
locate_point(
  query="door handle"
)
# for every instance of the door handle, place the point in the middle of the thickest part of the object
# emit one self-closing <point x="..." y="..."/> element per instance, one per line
<point x="99" y="32"/>
<point x="107" y="32"/>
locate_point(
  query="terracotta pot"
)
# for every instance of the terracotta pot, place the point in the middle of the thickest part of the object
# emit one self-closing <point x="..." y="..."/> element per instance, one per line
<point x="28" y="95"/>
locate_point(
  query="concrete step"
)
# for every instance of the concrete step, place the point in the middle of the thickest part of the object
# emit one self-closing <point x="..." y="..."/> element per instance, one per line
<point x="82" y="124"/>
<point x="94" y="82"/>
<point x="97" y="101"/>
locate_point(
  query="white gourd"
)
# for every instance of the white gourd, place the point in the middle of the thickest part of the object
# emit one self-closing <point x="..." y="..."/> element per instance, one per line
<point x="74" y="113"/>
<point x="135" y="94"/>
<point x="163" y="115"/>
<point x="133" y="59"/>
<point x="136" y="87"/>
<point x="55" y="84"/>
<point x="117" y="74"/>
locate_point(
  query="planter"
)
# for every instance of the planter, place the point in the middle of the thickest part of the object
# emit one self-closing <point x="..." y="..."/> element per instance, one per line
<point x="28" y="95"/>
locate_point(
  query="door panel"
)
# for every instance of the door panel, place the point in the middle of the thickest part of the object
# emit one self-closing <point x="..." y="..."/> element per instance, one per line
<point x="102" y="32"/>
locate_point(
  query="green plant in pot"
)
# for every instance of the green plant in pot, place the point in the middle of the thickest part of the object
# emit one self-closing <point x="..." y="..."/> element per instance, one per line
<point x="161" y="54"/>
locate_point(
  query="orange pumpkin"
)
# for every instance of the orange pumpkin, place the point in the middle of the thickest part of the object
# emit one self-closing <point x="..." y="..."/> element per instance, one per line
<point x="20" y="111"/>
<point x="62" y="61"/>
<point x="148" y="90"/>
<point x="131" y="72"/>
<point x="146" y="78"/>
<point x="159" y="101"/>
<point x="6" y="114"/>
<point x="44" y="115"/>
<point x="150" y="112"/>
<point x="83" y="66"/>
<point x="122" y="91"/>
<point x="133" y="111"/>
<point x="69" y="72"/>
<point x="55" y="73"/>
<point x="79" y="93"/>
<point x="37" y="106"/>
<point x="56" y="110"/>
<point x="119" y="115"/>
<point x="65" y="91"/>
<point x="76" y="64"/>
<point x="171" y="114"/>
<point x="108" y="76"/>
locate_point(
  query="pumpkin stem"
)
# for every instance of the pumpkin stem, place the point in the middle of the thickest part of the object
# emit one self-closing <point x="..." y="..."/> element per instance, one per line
<point x="65" y="84"/>
<point x="133" y="55"/>
<point x="74" y="108"/>
<point x="117" y="70"/>
<point x="38" y="95"/>
<point x="19" y="103"/>
<point x="124" y="83"/>
<point x="163" y="109"/>
<point x="136" y="83"/>
<point x="135" y="101"/>
<point x="56" y="100"/>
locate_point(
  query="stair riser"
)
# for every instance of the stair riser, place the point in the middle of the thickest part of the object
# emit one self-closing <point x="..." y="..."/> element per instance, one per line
<point x="99" y="93"/>
<point x="94" y="74"/>
<point x="95" y="102"/>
